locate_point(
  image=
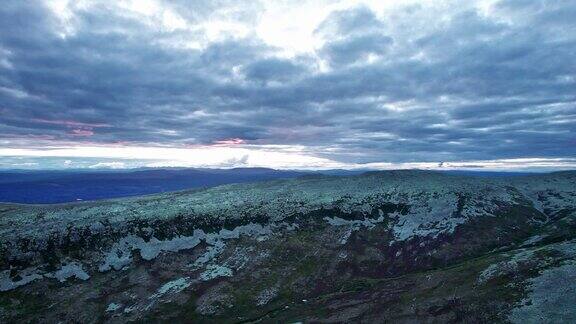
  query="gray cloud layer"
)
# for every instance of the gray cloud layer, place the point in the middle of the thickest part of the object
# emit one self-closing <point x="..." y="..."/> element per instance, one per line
<point x="416" y="83"/>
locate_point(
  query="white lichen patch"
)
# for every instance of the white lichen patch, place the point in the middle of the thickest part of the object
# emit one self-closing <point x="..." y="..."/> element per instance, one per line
<point x="214" y="271"/>
<point x="155" y="246"/>
<point x="352" y="225"/>
<point x="25" y="277"/>
<point x="346" y="235"/>
<point x="524" y="257"/>
<point x="172" y="287"/>
<point x="428" y="217"/>
<point x="121" y="253"/>
<point x="506" y="267"/>
<point x="215" y="300"/>
<point x="267" y="295"/>
<point x="240" y="257"/>
<point x="72" y="269"/>
<point x="567" y="249"/>
<point x="355" y="224"/>
<point x="532" y="240"/>
<point x="552" y="297"/>
<point x="211" y="252"/>
<point x="250" y="229"/>
<point x="217" y="245"/>
<point x="112" y="307"/>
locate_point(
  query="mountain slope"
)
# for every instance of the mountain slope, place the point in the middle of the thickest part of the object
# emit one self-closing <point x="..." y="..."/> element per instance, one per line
<point x="398" y="246"/>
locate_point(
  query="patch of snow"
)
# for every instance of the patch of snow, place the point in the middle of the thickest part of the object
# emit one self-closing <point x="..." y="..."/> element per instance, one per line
<point x="72" y="269"/>
<point x="211" y="253"/>
<point x="505" y="267"/>
<point x="567" y="249"/>
<point x="240" y="257"/>
<point x="428" y="217"/>
<point x="112" y="307"/>
<point x="153" y="248"/>
<point x="344" y="239"/>
<point x="173" y="287"/>
<point x="356" y="224"/>
<point x="26" y="277"/>
<point x="290" y="227"/>
<point x="121" y="253"/>
<point x="531" y="240"/>
<point x="66" y="271"/>
<point x="552" y="297"/>
<point x="215" y="271"/>
<point x="266" y="295"/>
<point x="353" y="225"/>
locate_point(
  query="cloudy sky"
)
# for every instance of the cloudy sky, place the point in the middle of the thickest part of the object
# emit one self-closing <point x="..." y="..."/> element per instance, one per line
<point x="320" y="84"/>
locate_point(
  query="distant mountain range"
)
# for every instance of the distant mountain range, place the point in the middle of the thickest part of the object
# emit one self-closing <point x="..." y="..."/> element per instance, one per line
<point x="41" y="187"/>
<point x="44" y="187"/>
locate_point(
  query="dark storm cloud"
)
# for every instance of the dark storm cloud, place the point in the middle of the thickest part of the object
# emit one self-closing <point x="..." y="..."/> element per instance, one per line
<point x="353" y="35"/>
<point x="343" y="23"/>
<point x="415" y="84"/>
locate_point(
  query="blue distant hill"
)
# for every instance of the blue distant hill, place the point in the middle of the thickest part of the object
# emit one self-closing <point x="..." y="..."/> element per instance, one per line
<point x="44" y="187"/>
<point x="41" y="187"/>
<point x="489" y="174"/>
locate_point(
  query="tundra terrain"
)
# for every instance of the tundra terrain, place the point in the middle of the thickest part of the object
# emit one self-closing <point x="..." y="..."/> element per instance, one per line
<point x="391" y="246"/>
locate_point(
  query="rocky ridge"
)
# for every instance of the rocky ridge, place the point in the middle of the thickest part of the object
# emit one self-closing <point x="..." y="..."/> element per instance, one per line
<point x="394" y="245"/>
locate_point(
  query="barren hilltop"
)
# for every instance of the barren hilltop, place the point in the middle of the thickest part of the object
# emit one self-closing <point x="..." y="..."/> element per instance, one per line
<point x="400" y="246"/>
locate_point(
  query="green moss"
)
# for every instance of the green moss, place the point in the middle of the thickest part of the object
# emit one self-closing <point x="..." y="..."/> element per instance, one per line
<point x="171" y="311"/>
<point x="20" y="307"/>
<point x="358" y="284"/>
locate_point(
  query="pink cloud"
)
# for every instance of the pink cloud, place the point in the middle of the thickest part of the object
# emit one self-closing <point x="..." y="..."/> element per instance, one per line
<point x="81" y="132"/>
<point x="77" y="129"/>
<point x="230" y="141"/>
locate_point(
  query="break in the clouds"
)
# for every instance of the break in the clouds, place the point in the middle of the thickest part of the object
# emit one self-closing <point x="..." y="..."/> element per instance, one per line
<point x="284" y="84"/>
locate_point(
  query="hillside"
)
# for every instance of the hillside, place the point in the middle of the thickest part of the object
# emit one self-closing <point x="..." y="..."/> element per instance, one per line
<point x="398" y="246"/>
